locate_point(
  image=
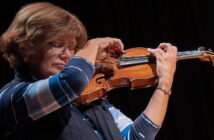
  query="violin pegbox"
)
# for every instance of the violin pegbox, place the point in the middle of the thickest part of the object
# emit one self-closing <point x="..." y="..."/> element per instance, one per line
<point x="208" y="55"/>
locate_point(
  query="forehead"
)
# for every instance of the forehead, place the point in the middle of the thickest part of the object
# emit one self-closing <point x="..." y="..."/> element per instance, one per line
<point x="66" y="38"/>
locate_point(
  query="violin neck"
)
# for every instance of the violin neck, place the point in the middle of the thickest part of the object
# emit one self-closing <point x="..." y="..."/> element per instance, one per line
<point x="189" y="54"/>
<point x="135" y="60"/>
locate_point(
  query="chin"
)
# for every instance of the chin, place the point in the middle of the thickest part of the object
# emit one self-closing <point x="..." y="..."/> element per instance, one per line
<point x="51" y="72"/>
<point x="55" y="71"/>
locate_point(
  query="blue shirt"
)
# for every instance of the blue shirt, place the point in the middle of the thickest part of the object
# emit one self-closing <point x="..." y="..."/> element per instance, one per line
<point x="33" y="100"/>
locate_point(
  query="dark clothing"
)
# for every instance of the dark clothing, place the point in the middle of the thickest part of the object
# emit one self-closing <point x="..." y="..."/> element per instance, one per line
<point x="64" y="123"/>
<point x="33" y="109"/>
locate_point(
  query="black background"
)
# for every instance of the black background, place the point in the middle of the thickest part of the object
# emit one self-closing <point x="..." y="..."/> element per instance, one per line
<point x="187" y="24"/>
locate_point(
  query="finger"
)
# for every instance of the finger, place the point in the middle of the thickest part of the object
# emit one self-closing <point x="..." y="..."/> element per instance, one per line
<point x="158" y="53"/>
<point x="161" y="51"/>
<point x="158" y="50"/>
<point x="150" y="51"/>
<point x="119" y="44"/>
<point x="172" y="50"/>
<point x="116" y="45"/>
<point x="175" y="50"/>
<point x="168" y="48"/>
<point x="164" y="45"/>
<point x="115" y="50"/>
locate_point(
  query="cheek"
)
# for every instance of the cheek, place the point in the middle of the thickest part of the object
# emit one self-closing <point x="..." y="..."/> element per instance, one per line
<point x="47" y="66"/>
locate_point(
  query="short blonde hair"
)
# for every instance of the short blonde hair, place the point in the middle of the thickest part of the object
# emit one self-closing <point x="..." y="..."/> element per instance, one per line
<point x="35" y="23"/>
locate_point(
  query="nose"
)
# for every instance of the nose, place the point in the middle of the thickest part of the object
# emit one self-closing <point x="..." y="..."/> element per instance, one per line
<point x="67" y="54"/>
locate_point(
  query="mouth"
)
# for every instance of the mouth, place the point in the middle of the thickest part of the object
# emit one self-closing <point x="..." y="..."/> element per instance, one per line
<point x="59" y="65"/>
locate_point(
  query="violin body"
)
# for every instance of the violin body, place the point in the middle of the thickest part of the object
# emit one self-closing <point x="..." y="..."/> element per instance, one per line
<point x="134" y="69"/>
<point x="133" y="76"/>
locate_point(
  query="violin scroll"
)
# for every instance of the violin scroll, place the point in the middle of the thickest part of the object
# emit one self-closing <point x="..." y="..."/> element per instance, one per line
<point x="208" y="55"/>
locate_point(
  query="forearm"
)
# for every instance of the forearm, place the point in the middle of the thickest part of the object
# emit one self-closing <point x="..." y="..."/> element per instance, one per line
<point x="100" y="48"/>
<point x="48" y="95"/>
<point x="156" y="109"/>
<point x="88" y="52"/>
<point x="141" y="128"/>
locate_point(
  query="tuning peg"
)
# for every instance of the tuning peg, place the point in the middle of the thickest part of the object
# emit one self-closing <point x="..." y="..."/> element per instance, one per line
<point x="202" y="48"/>
<point x="210" y="49"/>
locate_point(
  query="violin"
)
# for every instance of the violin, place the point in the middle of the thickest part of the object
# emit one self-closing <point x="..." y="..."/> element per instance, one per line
<point x="134" y="69"/>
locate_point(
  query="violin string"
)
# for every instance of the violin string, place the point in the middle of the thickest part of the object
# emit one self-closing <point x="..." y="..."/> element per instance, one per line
<point x="179" y="54"/>
<point x="189" y="53"/>
<point x="132" y="60"/>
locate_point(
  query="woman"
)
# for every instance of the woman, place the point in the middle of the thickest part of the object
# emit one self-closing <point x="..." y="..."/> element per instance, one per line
<point x="53" y="61"/>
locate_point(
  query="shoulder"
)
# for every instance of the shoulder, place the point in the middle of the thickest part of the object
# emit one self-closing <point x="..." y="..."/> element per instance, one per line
<point x="11" y="91"/>
<point x="10" y="94"/>
<point x="14" y="85"/>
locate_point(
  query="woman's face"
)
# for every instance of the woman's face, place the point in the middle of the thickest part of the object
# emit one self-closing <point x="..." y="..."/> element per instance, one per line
<point x="52" y="57"/>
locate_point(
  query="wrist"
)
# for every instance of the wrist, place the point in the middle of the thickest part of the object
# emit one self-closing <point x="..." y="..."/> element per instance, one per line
<point x="165" y="91"/>
<point x="165" y="83"/>
<point x="88" y="53"/>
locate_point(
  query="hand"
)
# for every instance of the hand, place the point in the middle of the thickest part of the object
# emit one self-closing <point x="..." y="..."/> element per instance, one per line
<point x="106" y="47"/>
<point x="166" y="63"/>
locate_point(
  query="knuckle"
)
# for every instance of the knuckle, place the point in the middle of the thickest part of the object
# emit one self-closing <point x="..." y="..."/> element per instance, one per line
<point x="176" y="49"/>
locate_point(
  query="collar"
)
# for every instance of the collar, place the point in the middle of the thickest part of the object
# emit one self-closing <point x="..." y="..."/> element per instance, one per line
<point x="24" y="75"/>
